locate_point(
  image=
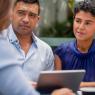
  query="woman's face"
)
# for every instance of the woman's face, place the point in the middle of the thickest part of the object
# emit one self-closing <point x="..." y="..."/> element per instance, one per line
<point x="84" y="26"/>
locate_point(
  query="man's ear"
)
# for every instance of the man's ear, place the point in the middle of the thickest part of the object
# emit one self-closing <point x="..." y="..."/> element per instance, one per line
<point x="11" y="14"/>
<point x="38" y="17"/>
<point x="37" y="24"/>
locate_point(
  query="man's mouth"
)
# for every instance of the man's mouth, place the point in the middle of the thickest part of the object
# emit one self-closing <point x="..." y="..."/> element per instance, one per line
<point x="24" y="26"/>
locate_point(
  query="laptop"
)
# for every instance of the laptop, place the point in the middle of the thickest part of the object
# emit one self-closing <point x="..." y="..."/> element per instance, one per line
<point x="51" y="80"/>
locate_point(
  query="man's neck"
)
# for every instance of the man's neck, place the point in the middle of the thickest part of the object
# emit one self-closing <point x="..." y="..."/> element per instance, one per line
<point x="25" y="42"/>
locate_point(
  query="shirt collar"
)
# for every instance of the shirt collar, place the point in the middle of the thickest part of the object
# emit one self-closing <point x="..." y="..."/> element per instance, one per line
<point x="11" y="35"/>
<point x="35" y="41"/>
<point x="13" y="38"/>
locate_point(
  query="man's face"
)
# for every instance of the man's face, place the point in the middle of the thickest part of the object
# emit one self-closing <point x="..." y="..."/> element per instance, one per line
<point x="25" y="17"/>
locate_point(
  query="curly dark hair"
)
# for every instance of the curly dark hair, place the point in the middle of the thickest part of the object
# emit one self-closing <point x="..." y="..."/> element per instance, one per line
<point x="86" y="5"/>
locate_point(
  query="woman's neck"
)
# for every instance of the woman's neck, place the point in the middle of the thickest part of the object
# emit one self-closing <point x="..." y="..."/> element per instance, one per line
<point x="83" y="46"/>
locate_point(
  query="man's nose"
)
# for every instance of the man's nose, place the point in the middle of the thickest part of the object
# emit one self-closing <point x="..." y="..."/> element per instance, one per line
<point x="26" y="19"/>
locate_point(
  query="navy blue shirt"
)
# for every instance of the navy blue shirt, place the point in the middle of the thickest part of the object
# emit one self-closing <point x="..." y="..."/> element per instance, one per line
<point x="72" y="58"/>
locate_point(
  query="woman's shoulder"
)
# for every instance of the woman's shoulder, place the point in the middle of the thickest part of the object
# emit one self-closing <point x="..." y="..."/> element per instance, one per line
<point x="64" y="47"/>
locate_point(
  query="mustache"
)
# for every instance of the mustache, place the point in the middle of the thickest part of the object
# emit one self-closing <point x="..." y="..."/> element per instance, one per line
<point x="24" y="25"/>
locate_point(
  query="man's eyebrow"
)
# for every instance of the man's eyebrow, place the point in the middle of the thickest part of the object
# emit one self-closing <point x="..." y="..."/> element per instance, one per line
<point x="32" y="13"/>
<point x="29" y="12"/>
<point x="21" y="10"/>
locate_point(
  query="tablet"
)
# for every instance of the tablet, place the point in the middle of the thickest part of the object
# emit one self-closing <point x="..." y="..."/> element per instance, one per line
<point x="51" y="80"/>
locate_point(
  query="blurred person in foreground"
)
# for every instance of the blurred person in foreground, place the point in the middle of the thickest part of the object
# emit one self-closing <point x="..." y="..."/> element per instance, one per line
<point x="12" y="78"/>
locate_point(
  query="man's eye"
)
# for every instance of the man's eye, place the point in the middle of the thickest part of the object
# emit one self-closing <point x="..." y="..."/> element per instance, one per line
<point x="21" y="13"/>
<point x="33" y="15"/>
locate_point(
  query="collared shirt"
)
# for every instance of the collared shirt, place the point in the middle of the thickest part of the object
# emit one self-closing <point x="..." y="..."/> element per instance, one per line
<point x="12" y="78"/>
<point x="39" y="57"/>
<point x="77" y="59"/>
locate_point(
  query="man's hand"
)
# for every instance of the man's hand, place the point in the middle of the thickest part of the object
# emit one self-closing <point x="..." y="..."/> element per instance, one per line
<point x="34" y="84"/>
<point x="63" y="91"/>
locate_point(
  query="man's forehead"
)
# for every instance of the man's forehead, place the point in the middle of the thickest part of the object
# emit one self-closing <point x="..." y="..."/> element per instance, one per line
<point x="26" y="6"/>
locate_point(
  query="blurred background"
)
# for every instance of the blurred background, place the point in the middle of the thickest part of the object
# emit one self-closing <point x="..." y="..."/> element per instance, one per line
<point x="56" y="22"/>
<point x="56" y="18"/>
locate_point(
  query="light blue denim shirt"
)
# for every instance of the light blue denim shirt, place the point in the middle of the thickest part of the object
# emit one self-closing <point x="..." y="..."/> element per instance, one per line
<point x="13" y="62"/>
<point x="12" y="78"/>
<point x="39" y="57"/>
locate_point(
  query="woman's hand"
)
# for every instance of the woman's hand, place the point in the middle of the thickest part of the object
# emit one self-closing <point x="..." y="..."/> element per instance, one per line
<point x="87" y="84"/>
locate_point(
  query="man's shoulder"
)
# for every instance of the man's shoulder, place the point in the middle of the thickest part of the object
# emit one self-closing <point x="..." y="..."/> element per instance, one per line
<point x="42" y="45"/>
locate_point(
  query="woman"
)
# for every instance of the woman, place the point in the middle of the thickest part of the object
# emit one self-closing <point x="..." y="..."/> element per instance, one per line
<point x="80" y="53"/>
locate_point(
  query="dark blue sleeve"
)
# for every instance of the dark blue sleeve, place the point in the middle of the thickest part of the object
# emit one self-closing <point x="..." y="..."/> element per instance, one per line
<point x="60" y="50"/>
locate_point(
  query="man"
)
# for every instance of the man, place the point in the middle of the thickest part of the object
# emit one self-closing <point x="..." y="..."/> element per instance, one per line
<point x="12" y="79"/>
<point x="34" y="54"/>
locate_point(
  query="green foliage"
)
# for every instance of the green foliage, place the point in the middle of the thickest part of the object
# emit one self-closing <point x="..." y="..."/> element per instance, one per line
<point x="64" y="29"/>
<point x="58" y="30"/>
